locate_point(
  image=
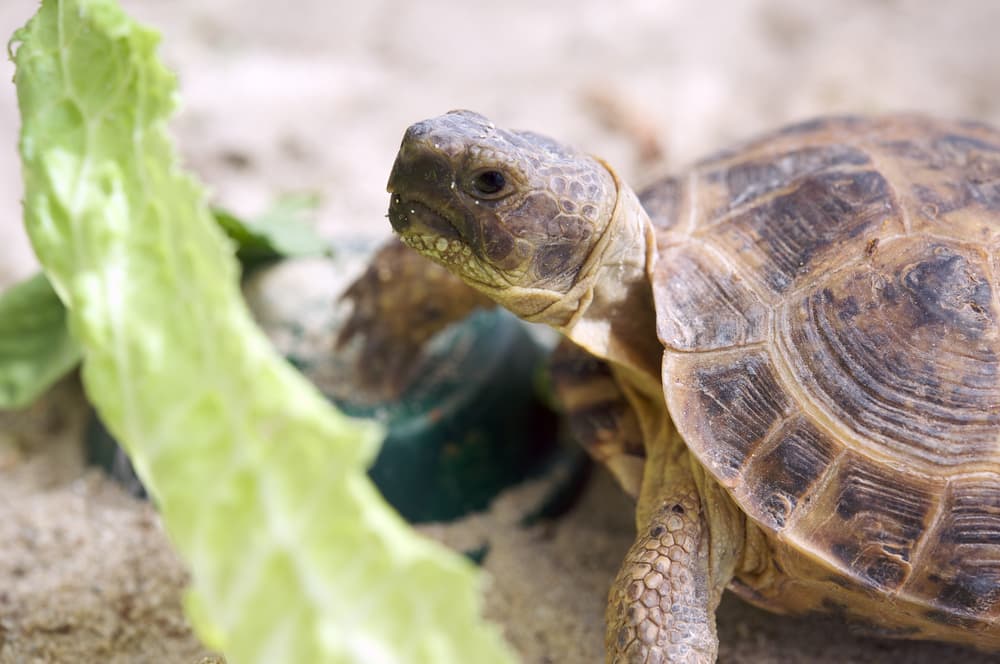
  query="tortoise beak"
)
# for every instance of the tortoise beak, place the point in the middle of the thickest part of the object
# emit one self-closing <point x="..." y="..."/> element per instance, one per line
<point x="420" y="185"/>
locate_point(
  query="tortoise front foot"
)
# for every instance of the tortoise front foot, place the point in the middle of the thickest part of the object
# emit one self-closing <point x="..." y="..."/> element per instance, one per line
<point x="659" y="609"/>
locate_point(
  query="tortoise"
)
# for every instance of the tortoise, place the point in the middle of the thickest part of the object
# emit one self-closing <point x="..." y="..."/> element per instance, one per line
<point x="790" y="356"/>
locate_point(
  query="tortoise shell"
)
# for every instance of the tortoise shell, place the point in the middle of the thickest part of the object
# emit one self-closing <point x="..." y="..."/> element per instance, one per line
<point x="828" y="300"/>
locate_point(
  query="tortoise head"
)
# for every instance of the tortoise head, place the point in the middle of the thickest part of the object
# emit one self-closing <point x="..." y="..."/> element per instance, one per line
<point x="514" y="214"/>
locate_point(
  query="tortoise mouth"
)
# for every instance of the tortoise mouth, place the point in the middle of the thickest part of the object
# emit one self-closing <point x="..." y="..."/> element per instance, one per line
<point x="424" y="229"/>
<point x="409" y="216"/>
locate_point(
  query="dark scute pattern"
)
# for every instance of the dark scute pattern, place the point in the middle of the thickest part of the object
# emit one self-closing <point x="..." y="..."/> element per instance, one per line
<point x="778" y="479"/>
<point x="973" y="592"/>
<point x="821" y="127"/>
<point x="819" y="215"/>
<point x="740" y="402"/>
<point x="968" y="167"/>
<point x="974" y="514"/>
<point x="963" y="569"/>
<point x="879" y="515"/>
<point x="952" y="619"/>
<point x="748" y="180"/>
<point x="702" y="305"/>
<point x="905" y="357"/>
<point x="947" y="290"/>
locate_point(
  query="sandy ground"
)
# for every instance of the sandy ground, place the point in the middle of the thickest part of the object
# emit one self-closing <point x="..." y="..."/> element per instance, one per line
<point x="314" y="96"/>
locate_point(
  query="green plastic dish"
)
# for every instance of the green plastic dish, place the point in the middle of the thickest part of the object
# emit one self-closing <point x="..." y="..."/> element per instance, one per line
<point x="470" y="425"/>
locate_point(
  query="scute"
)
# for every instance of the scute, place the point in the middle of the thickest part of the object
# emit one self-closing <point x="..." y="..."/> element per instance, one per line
<point x="725" y="405"/>
<point x="952" y="176"/>
<point x="870" y="518"/>
<point x="786" y="237"/>
<point x="964" y="568"/>
<point x="901" y="353"/>
<point x="741" y="182"/>
<point x="690" y="280"/>
<point x="785" y="471"/>
<point x="840" y="370"/>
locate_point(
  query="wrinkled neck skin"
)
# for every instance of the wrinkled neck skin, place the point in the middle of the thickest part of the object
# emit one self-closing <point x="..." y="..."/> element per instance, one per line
<point x="609" y="311"/>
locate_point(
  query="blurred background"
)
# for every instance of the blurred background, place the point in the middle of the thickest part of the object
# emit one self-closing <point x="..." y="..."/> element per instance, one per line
<point x="315" y="95"/>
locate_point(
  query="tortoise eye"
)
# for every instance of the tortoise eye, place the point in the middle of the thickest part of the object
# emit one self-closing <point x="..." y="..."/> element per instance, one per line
<point x="489" y="183"/>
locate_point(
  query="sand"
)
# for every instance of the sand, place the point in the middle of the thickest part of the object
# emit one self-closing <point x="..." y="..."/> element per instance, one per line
<point x="314" y="96"/>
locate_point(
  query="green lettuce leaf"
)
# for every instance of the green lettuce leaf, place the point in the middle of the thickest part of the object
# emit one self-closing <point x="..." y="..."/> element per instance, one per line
<point x="294" y="556"/>
<point x="36" y="348"/>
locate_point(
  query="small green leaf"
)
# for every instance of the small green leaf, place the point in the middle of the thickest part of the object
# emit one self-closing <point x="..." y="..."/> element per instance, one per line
<point x="283" y="231"/>
<point x="36" y="348"/>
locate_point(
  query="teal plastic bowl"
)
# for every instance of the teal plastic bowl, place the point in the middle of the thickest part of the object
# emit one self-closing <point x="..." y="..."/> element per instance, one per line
<point x="470" y="425"/>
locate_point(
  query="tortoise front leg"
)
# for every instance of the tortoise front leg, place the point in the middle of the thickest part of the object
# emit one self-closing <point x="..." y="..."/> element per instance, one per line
<point x="661" y="608"/>
<point x="690" y="539"/>
<point x="400" y="301"/>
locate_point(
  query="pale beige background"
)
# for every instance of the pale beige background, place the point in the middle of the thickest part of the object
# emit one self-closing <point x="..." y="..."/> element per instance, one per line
<point x="315" y="94"/>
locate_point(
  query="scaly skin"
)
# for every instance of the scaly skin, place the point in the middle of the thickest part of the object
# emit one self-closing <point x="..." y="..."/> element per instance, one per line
<point x="658" y="608"/>
<point x="554" y="236"/>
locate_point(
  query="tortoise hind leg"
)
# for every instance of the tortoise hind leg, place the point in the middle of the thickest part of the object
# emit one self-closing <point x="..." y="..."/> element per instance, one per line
<point x="598" y="413"/>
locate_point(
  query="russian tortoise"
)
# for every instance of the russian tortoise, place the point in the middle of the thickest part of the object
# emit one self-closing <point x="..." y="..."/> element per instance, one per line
<point x="819" y="309"/>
